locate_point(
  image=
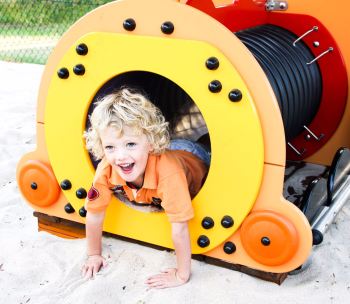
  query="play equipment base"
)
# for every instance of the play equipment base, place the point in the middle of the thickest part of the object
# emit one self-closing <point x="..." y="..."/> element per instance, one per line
<point x="73" y="230"/>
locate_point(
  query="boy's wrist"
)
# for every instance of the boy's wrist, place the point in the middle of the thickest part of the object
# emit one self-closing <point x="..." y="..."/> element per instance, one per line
<point x="91" y="254"/>
<point x="182" y="276"/>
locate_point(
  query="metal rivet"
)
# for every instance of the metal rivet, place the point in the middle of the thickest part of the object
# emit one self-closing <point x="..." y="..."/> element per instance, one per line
<point x="81" y="193"/>
<point x="229" y="247"/>
<point x="307" y="137"/>
<point x="265" y="241"/>
<point x="235" y="95"/>
<point x="63" y="73"/>
<point x="212" y="63"/>
<point x="82" y="212"/>
<point x="316" y="44"/>
<point x="79" y="69"/>
<point x="66" y="184"/>
<point x="82" y="49"/>
<point x="34" y="185"/>
<point x="227" y="221"/>
<point x="207" y="222"/>
<point x="215" y="86"/>
<point x="203" y="241"/>
<point x="167" y="27"/>
<point x="69" y="208"/>
<point x="129" y="24"/>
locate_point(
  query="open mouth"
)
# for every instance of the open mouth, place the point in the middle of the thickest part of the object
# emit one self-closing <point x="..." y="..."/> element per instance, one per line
<point x="126" y="168"/>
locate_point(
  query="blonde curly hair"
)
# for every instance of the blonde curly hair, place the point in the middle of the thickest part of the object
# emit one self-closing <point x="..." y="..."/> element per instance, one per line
<point x="127" y="107"/>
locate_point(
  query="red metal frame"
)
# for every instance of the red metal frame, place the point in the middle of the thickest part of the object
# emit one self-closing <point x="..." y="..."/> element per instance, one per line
<point x="243" y="14"/>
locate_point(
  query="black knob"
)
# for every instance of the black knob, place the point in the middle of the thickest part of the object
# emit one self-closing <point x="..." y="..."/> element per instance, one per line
<point x="129" y="24"/>
<point x="34" y="185"/>
<point x="235" y="95"/>
<point x="265" y="241"/>
<point x="227" y="221"/>
<point x="82" y="49"/>
<point x="167" y="27"/>
<point x="63" y="73"/>
<point x="207" y="222"/>
<point x="66" y="184"/>
<point x="215" y="86"/>
<point x="81" y="193"/>
<point x="69" y="208"/>
<point x="79" y="69"/>
<point x="317" y="237"/>
<point x="203" y="241"/>
<point x="212" y="63"/>
<point x="229" y="247"/>
<point x="82" y="212"/>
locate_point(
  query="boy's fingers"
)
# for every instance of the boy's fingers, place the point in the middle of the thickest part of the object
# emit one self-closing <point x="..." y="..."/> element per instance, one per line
<point x="88" y="273"/>
<point x="104" y="263"/>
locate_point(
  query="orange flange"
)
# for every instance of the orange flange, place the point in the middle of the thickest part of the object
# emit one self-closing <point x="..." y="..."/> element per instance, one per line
<point x="38" y="183"/>
<point x="269" y="238"/>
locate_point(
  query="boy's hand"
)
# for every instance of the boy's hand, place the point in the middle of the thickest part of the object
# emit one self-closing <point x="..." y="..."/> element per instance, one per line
<point x="92" y="266"/>
<point x="168" y="278"/>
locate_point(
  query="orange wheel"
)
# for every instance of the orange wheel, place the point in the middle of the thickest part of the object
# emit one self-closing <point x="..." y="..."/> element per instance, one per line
<point x="269" y="238"/>
<point x="38" y="183"/>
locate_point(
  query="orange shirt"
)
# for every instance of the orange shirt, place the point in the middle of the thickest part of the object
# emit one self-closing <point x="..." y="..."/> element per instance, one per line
<point x="171" y="179"/>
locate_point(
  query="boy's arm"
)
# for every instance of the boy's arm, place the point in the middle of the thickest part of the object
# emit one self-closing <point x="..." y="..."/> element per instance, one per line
<point x="182" y="245"/>
<point x="181" y="274"/>
<point x="94" y="224"/>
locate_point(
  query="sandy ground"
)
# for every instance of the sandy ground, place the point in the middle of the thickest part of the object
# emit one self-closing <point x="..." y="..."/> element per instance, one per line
<point x="36" y="267"/>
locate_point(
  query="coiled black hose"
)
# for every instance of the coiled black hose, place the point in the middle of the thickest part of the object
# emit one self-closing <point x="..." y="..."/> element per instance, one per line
<point x="297" y="85"/>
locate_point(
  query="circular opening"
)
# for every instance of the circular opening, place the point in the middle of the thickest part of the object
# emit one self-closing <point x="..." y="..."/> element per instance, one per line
<point x="184" y="117"/>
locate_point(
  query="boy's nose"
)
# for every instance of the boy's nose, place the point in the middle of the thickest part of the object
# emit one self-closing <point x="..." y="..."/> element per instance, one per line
<point x="120" y="155"/>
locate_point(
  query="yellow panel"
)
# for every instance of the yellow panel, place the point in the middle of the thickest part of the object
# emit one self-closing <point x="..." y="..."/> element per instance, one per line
<point x="236" y="170"/>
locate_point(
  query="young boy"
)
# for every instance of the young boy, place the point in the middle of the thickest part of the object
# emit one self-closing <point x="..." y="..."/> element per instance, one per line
<point x="130" y="136"/>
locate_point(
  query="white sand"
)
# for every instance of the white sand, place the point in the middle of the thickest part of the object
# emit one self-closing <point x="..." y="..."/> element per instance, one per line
<point x="36" y="267"/>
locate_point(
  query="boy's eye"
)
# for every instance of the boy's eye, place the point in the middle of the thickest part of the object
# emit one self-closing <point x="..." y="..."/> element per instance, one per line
<point x="130" y="145"/>
<point x="109" y="148"/>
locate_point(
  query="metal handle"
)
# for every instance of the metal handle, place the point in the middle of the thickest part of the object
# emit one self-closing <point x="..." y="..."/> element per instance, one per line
<point x="314" y="29"/>
<point x="318" y="138"/>
<point x="300" y="153"/>
<point x="330" y="49"/>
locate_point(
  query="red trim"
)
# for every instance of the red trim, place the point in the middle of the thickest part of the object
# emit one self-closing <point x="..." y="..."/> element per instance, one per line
<point x="243" y="14"/>
<point x="237" y="16"/>
<point x="334" y="81"/>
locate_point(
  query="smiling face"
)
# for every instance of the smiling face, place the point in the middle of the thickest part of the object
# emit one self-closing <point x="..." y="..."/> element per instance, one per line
<point x="126" y="153"/>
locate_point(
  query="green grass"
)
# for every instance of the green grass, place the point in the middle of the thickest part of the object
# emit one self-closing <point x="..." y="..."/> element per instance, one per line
<point x="26" y="18"/>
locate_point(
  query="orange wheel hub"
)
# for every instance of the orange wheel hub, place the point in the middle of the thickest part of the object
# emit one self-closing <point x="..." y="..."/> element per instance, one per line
<point x="38" y="183"/>
<point x="269" y="238"/>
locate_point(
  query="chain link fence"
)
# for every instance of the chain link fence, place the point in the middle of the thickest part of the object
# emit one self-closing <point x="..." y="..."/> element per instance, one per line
<point x="29" y="29"/>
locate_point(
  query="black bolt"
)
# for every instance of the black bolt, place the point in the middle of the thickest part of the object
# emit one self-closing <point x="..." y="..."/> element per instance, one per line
<point x="235" y="95"/>
<point x="79" y="69"/>
<point x="265" y="241"/>
<point x="63" y="73"/>
<point x="129" y="24"/>
<point x="203" y="241"/>
<point x="167" y="27"/>
<point x="34" y="186"/>
<point x="215" y="86"/>
<point x="229" y="247"/>
<point x="317" y="237"/>
<point x="81" y="193"/>
<point x="82" y="49"/>
<point x="66" y="184"/>
<point x="212" y="63"/>
<point x="207" y="222"/>
<point x="227" y="221"/>
<point x="82" y="212"/>
<point x="69" y="208"/>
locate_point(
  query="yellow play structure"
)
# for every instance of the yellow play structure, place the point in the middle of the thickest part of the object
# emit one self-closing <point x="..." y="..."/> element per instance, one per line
<point x="269" y="82"/>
